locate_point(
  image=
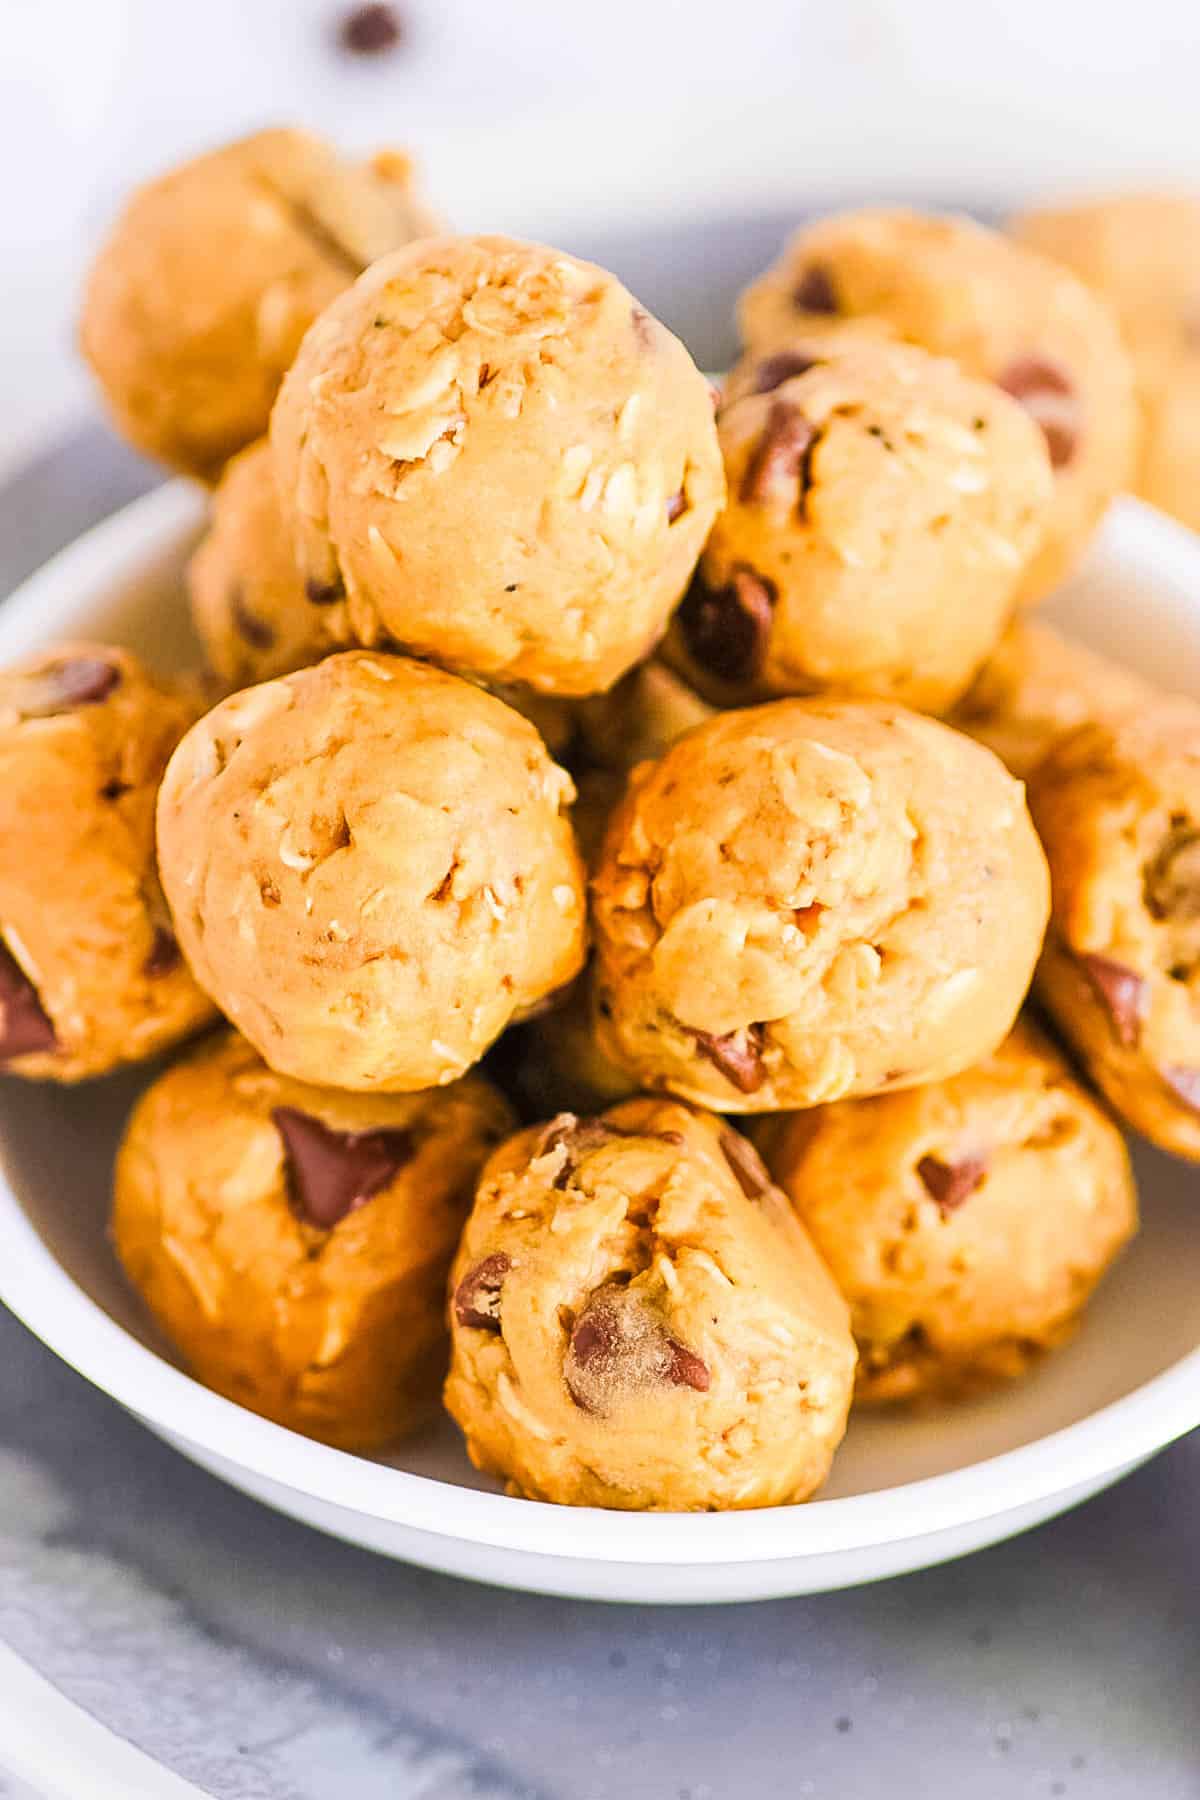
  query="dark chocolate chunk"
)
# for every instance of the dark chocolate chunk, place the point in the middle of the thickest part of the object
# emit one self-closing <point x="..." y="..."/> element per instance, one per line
<point x="1172" y="879"/>
<point x="477" y="1296"/>
<point x="727" y="629"/>
<point x="783" y="454"/>
<point x="785" y="365"/>
<point x="738" y="1056"/>
<point x="618" y="1344"/>
<point x="324" y="593"/>
<point x="370" y="30"/>
<point x="24" y="1024"/>
<point x="251" y="629"/>
<point x="746" y="1163"/>
<point x="1122" y="992"/>
<point x="1047" y="393"/>
<point x="164" y="952"/>
<point x="815" y="292"/>
<point x="331" y="1173"/>
<point x="950" y="1184"/>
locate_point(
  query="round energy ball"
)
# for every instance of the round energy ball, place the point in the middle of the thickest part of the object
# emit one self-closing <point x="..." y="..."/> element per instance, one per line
<point x="494" y="457"/>
<point x="883" y="508"/>
<point x="814" y="899"/>
<point x="198" y="299"/>
<point x="293" y="1241"/>
<point x="90" y="971"/>
<point x="371" y="869"/>
<point x="1003" y="312"/>
<point x="639" y="1322"/>
<point x="966" y="1222"/>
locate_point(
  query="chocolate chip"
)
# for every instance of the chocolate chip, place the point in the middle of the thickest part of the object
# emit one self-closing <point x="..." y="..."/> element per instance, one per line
<point x="164" y="952"/>
<point x="617" y="1343"/>
<point x="251" y="629"/>
<point x="785" y="365"/>
<point x="66" y="686"/>
<point x="727" y="629"/>
<point x="477" y="1296"/>
<point x="24" y="1024"/>
<point x="783" y="453"/>
<point x="370" y="30"/>
<point x="1185" y="1084"/>
<point x="815" y="292"/>
<point x="332" y="1173"/>
<point x="1172" y="879"/>
<point x="738" y="1056"/>
<point x="746" y="1163"/>
<point x="949" y="1184"/>
<point x="1047" y="393"/>
<point x="324" y="593"/>
<point x="1122" y="992"/>
<point x="676" y="507"/>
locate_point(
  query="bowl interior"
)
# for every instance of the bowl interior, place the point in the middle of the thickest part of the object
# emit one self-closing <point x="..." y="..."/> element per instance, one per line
<point x="1133" y="599"/>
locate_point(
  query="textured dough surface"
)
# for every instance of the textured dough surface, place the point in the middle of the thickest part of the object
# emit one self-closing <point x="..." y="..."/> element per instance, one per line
<point x="815" y="899"/>
<point x="1038" y="686"/>
<point x="966" y="1222"/>
<point x="90" y="972"/>
<point x="497" y="459"/>
<point x="883" y="508"/>
<point x="198" y="299"/>
<point x="1002" y="311"/>
<point x="1117" y="805"/>
<point x="337" y="1332"/>
<point x="639" y="1322"/>
<point x="371" y="869"/>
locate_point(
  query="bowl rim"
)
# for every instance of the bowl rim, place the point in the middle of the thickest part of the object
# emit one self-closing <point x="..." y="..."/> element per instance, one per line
<point x="39" y="1291"/>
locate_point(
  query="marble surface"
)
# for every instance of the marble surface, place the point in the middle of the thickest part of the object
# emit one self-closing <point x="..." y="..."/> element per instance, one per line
<point x="262" y="1661"/>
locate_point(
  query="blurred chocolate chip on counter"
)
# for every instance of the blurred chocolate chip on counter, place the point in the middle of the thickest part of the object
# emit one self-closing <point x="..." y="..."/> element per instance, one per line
<point x="370" y="30"/>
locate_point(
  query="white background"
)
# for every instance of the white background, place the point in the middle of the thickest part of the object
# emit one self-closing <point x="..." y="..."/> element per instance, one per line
<point x="531" y="114"/>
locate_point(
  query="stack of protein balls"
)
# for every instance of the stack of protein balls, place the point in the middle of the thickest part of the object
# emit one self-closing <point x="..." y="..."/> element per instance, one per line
<point x="476" y="524"/>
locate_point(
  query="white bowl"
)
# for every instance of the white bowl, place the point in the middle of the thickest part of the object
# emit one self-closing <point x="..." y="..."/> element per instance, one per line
<point x="905" y="1492"/>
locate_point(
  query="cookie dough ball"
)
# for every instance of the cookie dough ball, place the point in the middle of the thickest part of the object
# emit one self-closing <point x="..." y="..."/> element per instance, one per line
<point x="966" y="1222"/>
<point x="637" y="1320"/>
<point x="1141" y="253"/>
<point x="815" y="899"/>
<point x="90" y="972"/>
<point x="498" y="460"/>
<point x="293" y="1242"/>
<point x="883" y="508"/>
<point x="1003" y="312"/>
<point x="640" y="718"/>
<point x="1037" y="686"/>
<point x="197" y="301"/>
<point x="249" y="606"/>
<point x="371" y="869"/>
<point x="1117" y="805"/>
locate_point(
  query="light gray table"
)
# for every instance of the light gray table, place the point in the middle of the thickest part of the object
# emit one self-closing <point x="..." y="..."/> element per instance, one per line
<point x="265" y="1662"/>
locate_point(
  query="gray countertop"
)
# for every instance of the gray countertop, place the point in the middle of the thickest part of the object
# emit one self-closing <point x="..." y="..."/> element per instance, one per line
<point x="266" y="1662"/>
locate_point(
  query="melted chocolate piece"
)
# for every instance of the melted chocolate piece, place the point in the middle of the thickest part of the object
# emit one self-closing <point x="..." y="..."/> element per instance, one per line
<point x="1047" y="393"/>
<point x="727" y="629"/>
<point x="752" y="1175"/>
<point x="332" y="1173"/>
<point x="24" y="1024"/>
<point x="738" y="1056"/>
<point x="1172" y="880"/>
<point x="617" y="1345"/>
<point x="950" y="1184"/>
<point x="477" y="1296"/>
<point x="783" y="453"/>
<point x="164" y="952"/>
<point x="1123" y="994"/>
<point x="324" y="593"/>
<point x="66" y="686"/>
<point x="815" y="292"/>
<point x="785" y="365"/>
